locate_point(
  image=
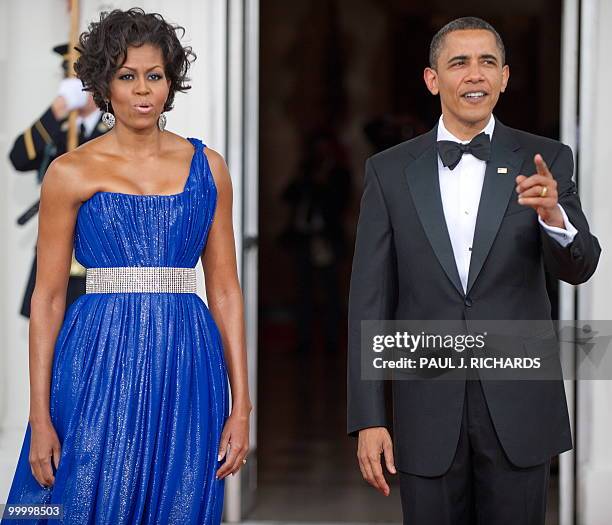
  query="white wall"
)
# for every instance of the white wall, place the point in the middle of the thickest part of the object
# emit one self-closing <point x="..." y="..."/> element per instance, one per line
<point x="29" y="75"/>
<point x="594" y="300"/>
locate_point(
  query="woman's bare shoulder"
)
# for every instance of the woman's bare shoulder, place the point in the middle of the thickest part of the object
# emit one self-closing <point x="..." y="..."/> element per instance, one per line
<point x="214" y="157"/>
<point x="176" y="144"/>
<point x="62" y="179"/>
<point x="70" y="172"/>
<point x="219" y="168"/>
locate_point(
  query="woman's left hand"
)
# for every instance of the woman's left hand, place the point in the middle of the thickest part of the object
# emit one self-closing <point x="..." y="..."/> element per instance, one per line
<point x="234" y="444"/>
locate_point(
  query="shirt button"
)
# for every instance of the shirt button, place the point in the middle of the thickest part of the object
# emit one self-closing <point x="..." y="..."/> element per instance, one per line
<point x="467" y="212"/>
<point x="467" y="302"/>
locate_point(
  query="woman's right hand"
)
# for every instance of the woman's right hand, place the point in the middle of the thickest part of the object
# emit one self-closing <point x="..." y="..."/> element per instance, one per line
<point x="44" y="448"/>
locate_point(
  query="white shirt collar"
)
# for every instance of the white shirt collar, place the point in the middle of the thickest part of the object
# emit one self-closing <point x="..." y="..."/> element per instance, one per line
<point x="444" y="134"/>
<point x="90" y="121"/>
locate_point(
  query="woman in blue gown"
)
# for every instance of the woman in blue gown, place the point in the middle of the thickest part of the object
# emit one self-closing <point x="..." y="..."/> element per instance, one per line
<point x="129" y="417"/>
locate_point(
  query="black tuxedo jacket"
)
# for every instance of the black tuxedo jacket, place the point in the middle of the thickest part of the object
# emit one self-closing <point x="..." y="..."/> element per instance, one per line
<point x="404" y="268"/>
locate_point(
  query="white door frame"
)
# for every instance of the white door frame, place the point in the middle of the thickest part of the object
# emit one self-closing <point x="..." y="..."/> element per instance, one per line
<point x="242" y="141"/>
<point x="567" y="295"/>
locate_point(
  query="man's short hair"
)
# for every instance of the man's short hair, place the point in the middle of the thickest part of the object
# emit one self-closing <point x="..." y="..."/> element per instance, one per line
<point x="465" y="23"/>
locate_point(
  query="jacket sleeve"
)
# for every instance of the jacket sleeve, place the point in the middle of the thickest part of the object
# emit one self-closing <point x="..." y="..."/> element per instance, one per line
<point x="372" y="296"/>
<point x="28" y="148"/>
<point x="576" y="262"/>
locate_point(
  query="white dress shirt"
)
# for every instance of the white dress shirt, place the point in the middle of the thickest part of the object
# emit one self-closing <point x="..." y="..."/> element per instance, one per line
<point x="460" y="190"/>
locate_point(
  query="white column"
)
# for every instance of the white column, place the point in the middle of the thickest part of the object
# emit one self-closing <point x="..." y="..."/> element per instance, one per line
<point x="30" y="73"/>
<point x="242" y="154"/>
<point x="567" y="303"/>
<point x="594" y="476"/>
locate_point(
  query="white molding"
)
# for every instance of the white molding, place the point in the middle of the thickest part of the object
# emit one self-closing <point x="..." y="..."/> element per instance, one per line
<point x="594" y="474"/>
<point x="567" y="303"/>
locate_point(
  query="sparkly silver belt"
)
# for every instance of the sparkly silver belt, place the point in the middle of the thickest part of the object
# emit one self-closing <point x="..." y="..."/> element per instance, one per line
<point x="140" y="279"/>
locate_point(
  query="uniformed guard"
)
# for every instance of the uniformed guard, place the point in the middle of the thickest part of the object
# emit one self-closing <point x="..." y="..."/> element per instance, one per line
<point x="45" y="140"/>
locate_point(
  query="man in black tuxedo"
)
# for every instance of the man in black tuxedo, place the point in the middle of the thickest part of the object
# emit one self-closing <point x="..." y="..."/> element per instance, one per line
<point x="451" y="229"/>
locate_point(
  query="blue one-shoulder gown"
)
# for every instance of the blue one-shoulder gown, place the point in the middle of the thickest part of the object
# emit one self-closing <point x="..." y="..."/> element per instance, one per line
<point x="139" y="392"/>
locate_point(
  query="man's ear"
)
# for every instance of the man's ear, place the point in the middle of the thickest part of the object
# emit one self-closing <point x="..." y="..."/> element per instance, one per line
<point x="430" y="76"/>
<point x="505" y="77"/>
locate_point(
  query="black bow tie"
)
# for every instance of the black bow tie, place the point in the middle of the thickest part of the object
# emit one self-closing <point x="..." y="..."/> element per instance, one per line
<point x="451" y="152"/>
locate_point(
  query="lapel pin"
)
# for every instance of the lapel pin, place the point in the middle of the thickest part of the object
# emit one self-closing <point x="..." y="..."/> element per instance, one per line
<point x="502" y="170"/>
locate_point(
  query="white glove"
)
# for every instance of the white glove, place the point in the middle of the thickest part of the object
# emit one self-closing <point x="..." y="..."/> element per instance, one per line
<point x="71" y="90"/>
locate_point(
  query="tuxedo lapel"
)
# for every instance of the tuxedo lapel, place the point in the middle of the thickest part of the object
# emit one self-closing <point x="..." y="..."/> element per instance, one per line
<point x="424" y="184"/>
<point x="496" y="191"/>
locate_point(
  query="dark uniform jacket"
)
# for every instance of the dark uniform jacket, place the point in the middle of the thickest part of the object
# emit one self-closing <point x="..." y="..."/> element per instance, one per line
<point x="36" y="147"/>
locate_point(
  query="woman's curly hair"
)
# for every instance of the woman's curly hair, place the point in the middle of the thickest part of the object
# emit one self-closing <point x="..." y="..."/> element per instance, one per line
<point x="103" y="50"/>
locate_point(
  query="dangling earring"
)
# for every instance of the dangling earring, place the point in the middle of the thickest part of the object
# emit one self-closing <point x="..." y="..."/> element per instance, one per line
<point x="108" y="118"/>
<point x="161" y="122"/>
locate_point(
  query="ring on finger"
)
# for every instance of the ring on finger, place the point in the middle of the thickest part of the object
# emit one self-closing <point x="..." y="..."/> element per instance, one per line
<point x="543" y="191"/>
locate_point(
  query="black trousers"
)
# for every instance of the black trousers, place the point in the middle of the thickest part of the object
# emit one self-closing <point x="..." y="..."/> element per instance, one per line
<point x="481" y="487"/>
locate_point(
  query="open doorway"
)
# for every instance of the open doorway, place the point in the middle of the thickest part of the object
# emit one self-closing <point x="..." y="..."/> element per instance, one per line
<point x="340" y="80"/>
